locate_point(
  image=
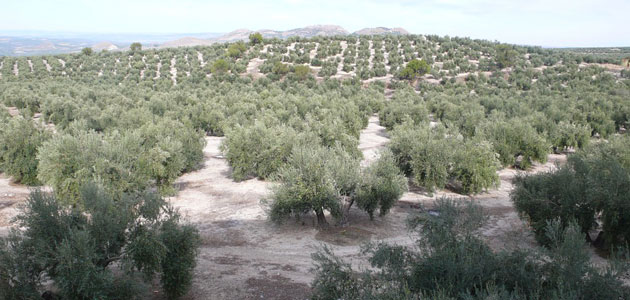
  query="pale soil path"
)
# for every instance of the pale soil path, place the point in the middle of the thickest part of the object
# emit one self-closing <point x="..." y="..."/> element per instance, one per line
<point x="372" y="139"/>
<point x="253" y="68"/>
<point x="244" y="256"/>
<point x="173" y="71"/>
<point x="11" y="195"/>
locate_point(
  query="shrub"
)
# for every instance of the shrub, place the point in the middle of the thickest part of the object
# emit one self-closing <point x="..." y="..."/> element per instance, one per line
<point x="302" y="72"/>
<point x="280" y="69"/>
<point x="593" y="186"/>
<point x="255" y="38"/>
<point x="571" y="135"/>
<point x="431" y="161"/>
<point x="404" y="106"/>
<point x="220" y="66"/>
<point x="415" y="68"/>
<point x="307" y="185"/>
<point x="236" y="50"/>
<point x="318" y="179"/>
<point x="135" y="47"/>
<point x="512" y="139"/>
<point x="505" y="56"/>
<point x="381" y="186"/>
<point x="433" y="157"/>
<point x="87" y="51"/>
<point x="548" y="196"/>
<point x="20" y="140"/>
<point x="258" y="150"/>
<point x="156" y="153"/>
<point x="450" y="262"/>
<point x="475" y="167"/>
<point x="77" y="252"/>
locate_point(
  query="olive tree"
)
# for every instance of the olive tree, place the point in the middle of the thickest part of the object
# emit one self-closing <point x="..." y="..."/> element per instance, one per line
<point x="220" y="66"/>
<point x="319" y="179"/>
<point x="415" y="68"/>
<point x="135" y="47"/>
<point x="593" y="187"/>
<point x="307" y="184"/>
<point x="382" y="184"/>
<point x="87" y="51"/>
<point x="450" y="261"/>
<point x="74" y="251"/>
<point x="20" y="140"/>
<point x="255" y="38"/>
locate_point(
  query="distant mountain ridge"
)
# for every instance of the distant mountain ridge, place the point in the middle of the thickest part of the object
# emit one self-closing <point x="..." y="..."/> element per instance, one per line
<point x="381" y="30"/>
<point x="308" y="31"/>
<point x="29" y="43"/>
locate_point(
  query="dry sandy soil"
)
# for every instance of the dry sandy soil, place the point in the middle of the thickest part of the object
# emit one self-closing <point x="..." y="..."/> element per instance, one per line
<point x="243" y="256"/>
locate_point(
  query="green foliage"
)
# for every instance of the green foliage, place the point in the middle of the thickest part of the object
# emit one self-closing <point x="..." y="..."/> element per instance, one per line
<point x="20" y="140"/>
<point x="549" y="196"/>
<point x="382" y="184"/>
<point x="220" y="66"/>
<point x="475" y="167"/>
<point x="179" y="261"/>
<point x="415" y="68"/>
<point x="236" y="50"/>
<point x="405" y="106"/>
<point x="308" y="184"/>
<point x="506" y="56"/>
<point x="302" y="72"/>
<point x="135" y="47"/>
<point x="433" y="157"/>
<point x="255" y="38"/>
<point x="258" y="150"/>
<point x="156" y="153"/>
<point x="280" y="69"/>
<point x="592" y="187"/>
<point x="516" y="139"/>
<point x="450" y="262"/>
<point x="569" y="135"/>
<point x="318" y="179"/>
<point x="77" y="252"/>
<point x="87" y="51"/>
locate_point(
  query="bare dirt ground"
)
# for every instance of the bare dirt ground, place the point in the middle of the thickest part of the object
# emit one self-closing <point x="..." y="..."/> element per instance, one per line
<point x="245" y="257"/>
<point x="253" y="68"/>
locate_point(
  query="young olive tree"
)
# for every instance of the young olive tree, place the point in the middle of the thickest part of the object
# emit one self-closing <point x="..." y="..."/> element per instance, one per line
<point x="382" y="184"/>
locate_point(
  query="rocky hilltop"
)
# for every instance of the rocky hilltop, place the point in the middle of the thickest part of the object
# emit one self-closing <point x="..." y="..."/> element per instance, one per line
<point x="381" y="30"/>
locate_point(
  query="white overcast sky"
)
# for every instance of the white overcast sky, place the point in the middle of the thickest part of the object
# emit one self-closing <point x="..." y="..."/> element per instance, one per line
<point x="560" y="23"/>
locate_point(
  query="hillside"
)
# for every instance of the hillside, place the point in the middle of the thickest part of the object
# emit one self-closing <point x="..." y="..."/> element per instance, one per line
<point x="186" y="42"/>
<point x="269" y="151"/>
<point x="104" y="46"/>
<point x="306" y="32"/>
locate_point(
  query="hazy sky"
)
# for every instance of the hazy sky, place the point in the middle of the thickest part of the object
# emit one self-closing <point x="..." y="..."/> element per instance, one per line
<point x="533" y="22"/>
